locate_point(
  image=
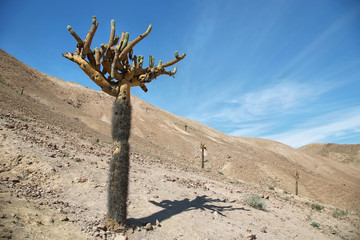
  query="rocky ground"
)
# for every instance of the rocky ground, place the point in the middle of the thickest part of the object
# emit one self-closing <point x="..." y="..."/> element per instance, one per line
<point x="53" y="186"/>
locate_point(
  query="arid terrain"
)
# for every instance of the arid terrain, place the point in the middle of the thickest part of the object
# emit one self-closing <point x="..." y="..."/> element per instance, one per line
<point x="55" y="147"/>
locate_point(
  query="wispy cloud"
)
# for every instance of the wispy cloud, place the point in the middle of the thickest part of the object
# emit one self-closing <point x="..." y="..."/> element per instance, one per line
<point x="276" y="99"/>
<point x="335" y="125"/>
<point x="311" y="51"/>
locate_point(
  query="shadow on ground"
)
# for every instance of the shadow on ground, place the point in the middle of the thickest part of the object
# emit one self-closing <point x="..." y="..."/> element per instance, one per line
<point x="172" y="208"/>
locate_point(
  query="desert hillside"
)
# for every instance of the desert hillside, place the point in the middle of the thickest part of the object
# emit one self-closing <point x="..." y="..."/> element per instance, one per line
<point x="55" y="146"/>
<point x="345" y="153"/>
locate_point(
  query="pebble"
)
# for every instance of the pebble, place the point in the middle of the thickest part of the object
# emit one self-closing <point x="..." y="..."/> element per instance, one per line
<point x="157" y="223"/>
<point x="121" y="237"/>
<point x="148" y="227"/>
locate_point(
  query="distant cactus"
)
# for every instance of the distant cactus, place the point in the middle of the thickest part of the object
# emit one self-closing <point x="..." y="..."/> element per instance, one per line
<point x="203" y="148"/>
<point x="115" y="61"/>
<point x="296" y="176"/>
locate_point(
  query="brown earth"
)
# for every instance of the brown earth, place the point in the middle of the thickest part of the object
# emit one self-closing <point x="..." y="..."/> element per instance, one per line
<point x="55" y="149"/>
<point x="344" y="153"/>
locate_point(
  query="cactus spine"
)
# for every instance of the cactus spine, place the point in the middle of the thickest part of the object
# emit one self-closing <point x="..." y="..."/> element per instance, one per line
<point x="119" y="165"/>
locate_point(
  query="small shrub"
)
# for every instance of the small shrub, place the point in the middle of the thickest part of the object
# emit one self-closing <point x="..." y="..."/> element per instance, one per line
<point x="220" y="172"/>
<point x="66" y="154"/>
<point x="271" y="187"/>
<point x="317" y="207"/>
<point x="309" y="218"/>
<point x="255" y="202"/>
<point x="287" y="199"/>
<point x="285" y="191"/>
<point x="338" y="213"/>
<point x="315" y="224"/>
<point x="22" y="117"/>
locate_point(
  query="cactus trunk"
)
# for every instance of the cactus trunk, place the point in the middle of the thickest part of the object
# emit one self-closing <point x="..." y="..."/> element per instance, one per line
<point x="119" y="165"/>
<point x="202" y="157"/>
<point x="297" y="187"/>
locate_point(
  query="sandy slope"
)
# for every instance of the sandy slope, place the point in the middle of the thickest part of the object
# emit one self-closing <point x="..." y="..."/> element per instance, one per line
<point x="345" y="153"/>
<point x="55" y="149"/>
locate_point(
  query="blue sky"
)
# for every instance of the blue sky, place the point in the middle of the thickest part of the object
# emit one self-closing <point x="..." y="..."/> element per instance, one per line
<point x="277" y="69"/>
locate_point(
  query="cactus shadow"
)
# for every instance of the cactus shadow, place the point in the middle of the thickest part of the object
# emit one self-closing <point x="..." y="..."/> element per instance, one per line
<point x="172" y="208"/>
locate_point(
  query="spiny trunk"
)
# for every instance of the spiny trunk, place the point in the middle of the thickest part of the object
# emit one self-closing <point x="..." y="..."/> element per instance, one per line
<point x="202" y="158"/>
<point x="297" y="187"/>
<point x="119" y="165"/>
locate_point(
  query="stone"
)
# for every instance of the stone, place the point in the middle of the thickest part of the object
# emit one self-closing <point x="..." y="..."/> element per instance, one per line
<point x="250" y="236"/>
<point x="157" y="223"/>
<point x="120" y="237"/>
<point x="148" y="227"/>
<point x="102" y="227"/>
<point x="263" y="229"/>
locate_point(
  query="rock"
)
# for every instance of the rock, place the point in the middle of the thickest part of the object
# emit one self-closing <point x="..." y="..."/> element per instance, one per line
<point x="65" y="219"/>
<point x="102" y="227"/>
<point x="121" y="237"/>
<point x="148" y="227"/>
<point x="263" y="229"/>
<point x="5" y="235"/>
<point x="250" y="236"/>
<point x="82" y="180"/>
<point x="157" y="223"/>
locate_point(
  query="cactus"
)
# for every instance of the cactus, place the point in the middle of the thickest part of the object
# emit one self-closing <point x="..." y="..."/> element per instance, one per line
<point x="141" y="60"/>
<point x="151" y="61"/>
<point x="119" y="165"/>
<point x="203" y="148"/>
<point x="296" y="176"/>
<point x="124" y="75"/>
<point x="125" y="42"/>
<point x="116" y="40"/>
<point x="149" y="29"/>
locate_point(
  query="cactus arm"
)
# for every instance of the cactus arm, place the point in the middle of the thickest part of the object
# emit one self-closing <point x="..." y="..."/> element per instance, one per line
<point x="97" y="59"/>
<point x="127" y="49"/>
<point x="77" y="38"/>
<point x="107" y="66"/>
<point x="172" y="62"/>
<point x="89" y="38"/>
<point x="112" y="34"/>
<point x="94" y="75"/>
<point x="91" y="58"/>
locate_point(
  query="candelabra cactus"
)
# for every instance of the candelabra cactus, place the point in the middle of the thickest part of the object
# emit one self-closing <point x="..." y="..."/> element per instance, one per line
<point x="115" y="69"/>
<point x="203" y="148"/>
<point x="296" y="176"/>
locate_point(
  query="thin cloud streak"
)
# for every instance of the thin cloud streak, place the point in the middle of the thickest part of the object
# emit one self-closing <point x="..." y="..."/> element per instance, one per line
<point x="310" y="51"/>
<point x="280" y="98"/>
<point x="321" y="129"/>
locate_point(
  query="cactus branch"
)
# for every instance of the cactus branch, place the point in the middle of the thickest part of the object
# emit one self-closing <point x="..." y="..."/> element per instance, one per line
<point x="134" y="42"/>
<point x="73" y="33"/>
<point x="88" y="39"/>
<point x="94" y="75"/>
<point x="172" y="62"/>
